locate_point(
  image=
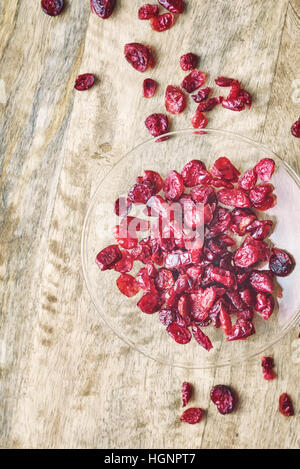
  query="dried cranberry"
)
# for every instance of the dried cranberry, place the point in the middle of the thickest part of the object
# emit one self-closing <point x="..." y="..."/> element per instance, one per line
<point x="180" y="334"/>
<point x="262" y="281"/>
<point x="264" y="305"/>
<point x="175" y="100"/>
<point x="164" y="279"/>
<point x="162" y="22"/>
<point x="224" y="398"/>
<point x="221" y="221"/>
<point x="225" y="320"/>
<point x="84" y="82"/>
<point x="52" y="7"/>
<point x="141" y="192"/>
<point x="281" y="263"/>
<point x="174" y="6"/>
<point x="122" y="206"/>
<point x="203" y="194"/>
<point x="147" y="11"/>
<point x="209" y="104"/>
<point x="247" y="295"/>
<point x="186" y="393"/>
<point x="128" y="285"/>
<point x="241" y="220"/>
<point x="125" y="264"/>
<point x="286" y="405"/>
<point x="243" y="329"/>
<point x="192" y="415"/>
<point x="265" y="169"/>
<point x="234" y="104"/>
<point x="124" y="239"/>
<point x="193" y="81"/>
<point x="235" y="89"/>
<point x="173" y="187"/>
<point x="251" y="252"/>
<point x="149" y="303"/>
<point x="223" y="81"/>
<point x="194" y="173"/>
<point x="157" y="124"/>
<point x="202" y="95"/>
<point x="166" y="316"/>
<point x="107" y="258"/>
<point x="154" y="177"/>
<point x="103" y="8"/>
<point x="201" y="338"/>
<point x="199" y="120"/>
<point x="224" y="169"/>
<point x="149" y="87"/>
<point x="248" y="180"/>
<point x="246" y="97"/>
<point x="259" y="194"/>
<point x="234" y="198"/>
<point x="139" y="56"/>
<point x="259" y="229"/>
<point x="267" y="364"/>
<point x="188" y="61"/>
<point x="296" y="129"/>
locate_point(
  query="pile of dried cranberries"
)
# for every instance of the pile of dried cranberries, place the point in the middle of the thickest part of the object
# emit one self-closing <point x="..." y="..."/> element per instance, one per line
<point x="196" y="272"/>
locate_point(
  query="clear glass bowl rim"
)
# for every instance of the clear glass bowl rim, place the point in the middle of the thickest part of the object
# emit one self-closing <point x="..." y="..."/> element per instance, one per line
<point x="227" y="133"/>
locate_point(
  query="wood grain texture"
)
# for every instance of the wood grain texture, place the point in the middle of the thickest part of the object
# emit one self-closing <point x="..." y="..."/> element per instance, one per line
<point x="65" y="379"/>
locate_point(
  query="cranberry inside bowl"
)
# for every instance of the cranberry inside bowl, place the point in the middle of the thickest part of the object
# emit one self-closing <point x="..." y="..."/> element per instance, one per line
<point x="223" y="290"/>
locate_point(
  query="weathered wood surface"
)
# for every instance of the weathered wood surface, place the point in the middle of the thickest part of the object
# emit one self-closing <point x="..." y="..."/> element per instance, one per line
<point x="65" y="379"/>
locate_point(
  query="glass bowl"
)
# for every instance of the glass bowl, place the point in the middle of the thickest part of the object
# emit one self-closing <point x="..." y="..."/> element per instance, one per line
<point x="144" y="332"/>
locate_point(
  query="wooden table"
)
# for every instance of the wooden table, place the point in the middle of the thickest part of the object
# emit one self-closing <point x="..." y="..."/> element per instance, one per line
<point x="65" y="379"/>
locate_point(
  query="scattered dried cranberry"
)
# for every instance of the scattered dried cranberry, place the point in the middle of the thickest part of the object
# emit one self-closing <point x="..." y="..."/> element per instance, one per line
<point x="147" y="11"/>
<point x="103" y="8"/>
<point x="175" y="100"/>
<point x="157" y="124"/>
<point x="174" y="6"/>
<point x="162" y="22"/>
<point x="209" y="104"/>
<point x="224" y="398"/>
<point x="141" y="192"/>
<point x="84" y="82"/>
<point x="281" y="263"/>
<point x="224" y="169"/>
<point x="173" y="186"/>
<point x="153" y="177"/>
<point x="202" y="95"/>
<point x="234" y="104"/>
<point x="180" y="334"/>
<point x="149" y="303"/>
<point x="192" y="415"/>
<point x="193" y="81"/>
<point x="264" y="305"/>
<point x="248" y="180"/>
<point x="234" y="198"/>
<point x="149" y="87"/>
<point x="139" y="56"/>
<point x="223" y="81"/>
<point x="188" y="61"/>
<point x="199" y="120"/>
<point x="296" y="129"/>
<point x="262" y="281"/>
<point x="265" y="169"/>
<point x="125" y="264"/>
<point x="166" y="316"/>
<point x="243" y="329"/>
<point x="52" y="7"/>
<point x="267" y="364"/>
<point x="122" y="206"/>
<point x="186" y="392"/>
<point x="201" y="338"/>
<point x="194" y="173"/>
<point x="107" y="258"/>
<point x="286" y="405"/>
<point x="128" y="285"/>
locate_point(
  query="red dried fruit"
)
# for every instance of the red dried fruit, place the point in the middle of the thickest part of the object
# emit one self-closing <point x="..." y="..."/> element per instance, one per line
<point x="194" y="173"/>
<point x="225" y="277"/>
<point x="123" y="238"/>
<point x="193" y="81"/>
<point x="259" y="194"/>
<point x="139" y="56"/>
<point x="149" y="87"/>
<point x="173" y="187"/>
<point x="265" y="169"/>
<point x="259" y="229"/>
<point x="103" y="8"/>
<point x="223" y="81"/>
<point x="251" y="252"/>
<point x="149" y="303"/>
<point x="174" y="6"/>
<point x="164" y="279"/>
<point x="157" y="124"/>
<point x="248" y="296"/>
<point x="141" y="192"/>
<point x="166" y="316"/>
<point x="52" y="7"/>
<point x="147" y="11"/>
<point x="234" y="104"/>
<point x="248" y="180"/>
<point x="122" y="206"/>
<point x="243" y="329"/>
<point x="235" y="89"/>
<point x="162" y="22"/>
<point x="209" y="104"/>
<point x="220" y="222"/>
<point x="286" y="405"/>
<point x="234" y="198"/>
<point x="180" y="334"/>
<point x="246" y="97"/>
<point x="225" y="320"/>
<point x="188" y="61"/>
<point x="264" y="305"/>
<point x="224" y="169"/>
<point x="224" y="398"/>
<point x="281" y="263"/>
<point x="199" y="120"/>
<point x="154" y="177"/>
<point x="267" y="364"/>
<point x="84" y="82"/>
<point x="125" y="264"/>
<point x="262" y="281"/>
<point x="242" y="218"/>
<point x="202" y="95"/>
<point x="295" y="129"/>
<point x="128" y="285"/>
<point x="192" y="415"/>
<point x="175" y="100"/>
<point x="203" y="194"/>
<point x="201" y="338"/>
<point x="202" y="302"/>
<point x="186" y="393"/>
<point x="108" y="257"/>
